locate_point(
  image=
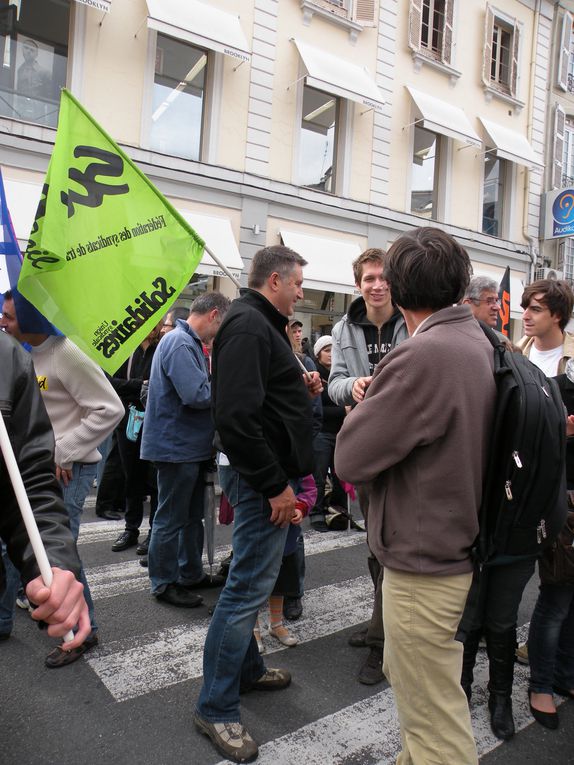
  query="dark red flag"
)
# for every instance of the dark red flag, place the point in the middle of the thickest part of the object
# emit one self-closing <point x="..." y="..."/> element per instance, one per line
<point x="503" y="321"/>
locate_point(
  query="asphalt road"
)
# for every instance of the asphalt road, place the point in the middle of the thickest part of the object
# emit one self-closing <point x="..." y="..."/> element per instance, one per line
<point x="131" y="699"/>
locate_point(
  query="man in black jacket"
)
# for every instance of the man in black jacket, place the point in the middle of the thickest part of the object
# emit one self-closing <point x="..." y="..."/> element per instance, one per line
<point x="61" y="606"/>
<point x="262" y="409"/>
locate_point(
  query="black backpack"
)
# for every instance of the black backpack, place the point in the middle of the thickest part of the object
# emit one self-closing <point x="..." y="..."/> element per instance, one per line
<point x="524" y="502"/>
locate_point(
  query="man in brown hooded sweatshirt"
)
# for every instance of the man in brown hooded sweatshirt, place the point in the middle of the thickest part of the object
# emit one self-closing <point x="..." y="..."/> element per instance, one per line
<point x="421" y="439"/>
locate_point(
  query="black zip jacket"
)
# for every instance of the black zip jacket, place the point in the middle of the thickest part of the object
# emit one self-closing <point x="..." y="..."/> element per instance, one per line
<point x="32" y="440"/>
<point x="261" y="407"/>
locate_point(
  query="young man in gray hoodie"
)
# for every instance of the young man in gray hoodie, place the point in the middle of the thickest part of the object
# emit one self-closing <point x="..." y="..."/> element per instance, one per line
<point x="363" y="337"/>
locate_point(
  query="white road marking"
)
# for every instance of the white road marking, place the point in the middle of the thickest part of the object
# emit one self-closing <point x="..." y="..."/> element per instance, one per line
<point x="368" y="731"/>
<point x="128" y="576"/>
<point x="146" y="663"/>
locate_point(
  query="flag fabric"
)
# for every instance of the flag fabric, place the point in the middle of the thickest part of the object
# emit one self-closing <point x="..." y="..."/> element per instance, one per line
<point x="503" y="319"/>
<point x="107" y="255"/>
<point x="10" y="255"/>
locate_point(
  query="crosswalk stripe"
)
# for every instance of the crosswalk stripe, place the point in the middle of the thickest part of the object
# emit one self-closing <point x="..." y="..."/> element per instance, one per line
<point x="368" y="731"/>
<point x="146" y="663"/>
<point x="128" y="576"/>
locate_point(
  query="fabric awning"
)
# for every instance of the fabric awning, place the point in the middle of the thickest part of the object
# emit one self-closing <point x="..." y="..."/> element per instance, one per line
<point x="511" y="145"/>
<point x="330" y="261"/>
<point x="338" y="76"/>
<point x="201" y="24"/>
<point x="218" y="236"/>
<point x="444" y="118"/>
<point x="99" y="5"/>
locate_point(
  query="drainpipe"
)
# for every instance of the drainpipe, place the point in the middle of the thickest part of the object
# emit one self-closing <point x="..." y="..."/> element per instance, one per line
<point x="532" y="241"/>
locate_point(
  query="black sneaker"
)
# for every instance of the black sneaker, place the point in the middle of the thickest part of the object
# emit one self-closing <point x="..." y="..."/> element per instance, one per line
<point x="230" y="739"/>
<point x="371" y="672"/>
<point x="179" y="596"/>
<point x="126" y="539"/>
<point x="358" y="639"/>
<point x="143" y="546"/>
<point x="292" y="609"/>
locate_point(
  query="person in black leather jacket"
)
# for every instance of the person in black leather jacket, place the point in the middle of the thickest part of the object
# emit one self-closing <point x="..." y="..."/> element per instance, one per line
<point x="32" y="440"/>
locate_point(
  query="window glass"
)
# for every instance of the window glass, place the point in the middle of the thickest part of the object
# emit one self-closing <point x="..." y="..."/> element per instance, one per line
<point x="34" y="55"/>
<point x="433" y="25"/>
<point x="501" y="55"/>
<point x="425" y="173"/>
<point x="493" y="195"/>
<point x="178" y="98"/>
<point x="318" y="140"/>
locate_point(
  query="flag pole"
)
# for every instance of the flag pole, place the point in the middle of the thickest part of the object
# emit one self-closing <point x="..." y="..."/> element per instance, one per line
<point x="26" y="510"/>
<point x="220" y="264"/>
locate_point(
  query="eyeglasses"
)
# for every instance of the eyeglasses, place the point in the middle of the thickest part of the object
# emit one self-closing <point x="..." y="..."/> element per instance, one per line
<point x="488" y="301"/>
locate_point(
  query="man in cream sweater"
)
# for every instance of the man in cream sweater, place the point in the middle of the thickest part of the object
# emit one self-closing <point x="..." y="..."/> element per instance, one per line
<point x="83" y="409"/>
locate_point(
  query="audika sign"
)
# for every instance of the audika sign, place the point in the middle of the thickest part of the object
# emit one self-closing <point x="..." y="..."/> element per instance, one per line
<point x="559" y="214"/>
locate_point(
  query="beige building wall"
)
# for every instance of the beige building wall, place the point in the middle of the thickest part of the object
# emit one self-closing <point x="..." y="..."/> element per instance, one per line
<point x="465" y="164"/>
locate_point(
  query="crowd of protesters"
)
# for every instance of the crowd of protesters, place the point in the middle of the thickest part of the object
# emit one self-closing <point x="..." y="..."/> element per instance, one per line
<point x="397" y="400"/>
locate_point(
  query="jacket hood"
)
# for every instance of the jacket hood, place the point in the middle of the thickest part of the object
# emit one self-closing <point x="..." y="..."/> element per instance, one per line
<point x="357" y="313"/>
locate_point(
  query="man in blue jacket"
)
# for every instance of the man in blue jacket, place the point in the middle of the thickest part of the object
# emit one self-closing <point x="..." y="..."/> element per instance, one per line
<point x="178" y="437"/>
<point x="262" y="408"/>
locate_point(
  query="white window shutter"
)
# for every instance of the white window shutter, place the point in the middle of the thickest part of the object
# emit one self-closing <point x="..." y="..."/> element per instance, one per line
<point x="365" y="11"/>
<point x="488" y="32"/>
<point x="415" y="24"/>
<point x="564" y="52"/>
<point x="446" y="53"/>
<point x="514" y="68"/>
<point x="559" y="129"/>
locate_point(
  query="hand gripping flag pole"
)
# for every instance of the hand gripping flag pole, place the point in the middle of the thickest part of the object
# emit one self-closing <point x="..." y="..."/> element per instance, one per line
<point x="26" y="510"/>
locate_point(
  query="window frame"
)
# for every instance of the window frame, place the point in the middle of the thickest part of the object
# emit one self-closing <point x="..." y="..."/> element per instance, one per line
<point x="341" y="145"/>
<point x="74" y="76"/>
<point x="506" y="91"/>
<point x="441" y="196"/>
<point x="211" y="106"/>
<point x="509" y="182"/>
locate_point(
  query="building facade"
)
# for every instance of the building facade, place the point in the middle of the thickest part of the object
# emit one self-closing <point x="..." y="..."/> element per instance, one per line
<point x="329" y="125"/>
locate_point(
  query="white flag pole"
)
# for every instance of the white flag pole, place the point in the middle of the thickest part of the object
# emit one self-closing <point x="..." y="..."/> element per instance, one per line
<point x="26" y="510"/>
<point x="220" y="264"/>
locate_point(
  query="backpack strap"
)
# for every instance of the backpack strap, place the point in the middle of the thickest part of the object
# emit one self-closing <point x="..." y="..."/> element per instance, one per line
<point x="493" y="338"/>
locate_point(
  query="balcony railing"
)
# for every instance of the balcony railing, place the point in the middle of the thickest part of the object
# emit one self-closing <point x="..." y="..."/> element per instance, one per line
<point x="571" y="82"/>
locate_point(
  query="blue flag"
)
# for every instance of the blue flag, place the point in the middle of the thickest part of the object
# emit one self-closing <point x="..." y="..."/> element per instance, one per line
<point x="29" y="318"/>
<point x="10" y="255"/>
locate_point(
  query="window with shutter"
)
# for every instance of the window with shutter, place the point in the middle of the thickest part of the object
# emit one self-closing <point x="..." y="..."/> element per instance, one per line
<point x="365" y="11"/>
<point x="513" y="82"/>
<point x="564" y="53"/>
<point x="448" y="35"/>
<point x="488" y="34"/>
<point x="415" y="24"/>
<point x="559" y="130"/>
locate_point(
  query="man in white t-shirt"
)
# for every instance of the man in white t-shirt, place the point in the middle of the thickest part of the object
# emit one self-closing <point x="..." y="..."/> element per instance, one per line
<point x="547" y="306"/>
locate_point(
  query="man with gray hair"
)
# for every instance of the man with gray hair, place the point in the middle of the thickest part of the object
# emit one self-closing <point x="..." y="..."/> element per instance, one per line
<point x="178" y="438"/>
<point x="482" y="297"/>
<point x="262" y="410"/>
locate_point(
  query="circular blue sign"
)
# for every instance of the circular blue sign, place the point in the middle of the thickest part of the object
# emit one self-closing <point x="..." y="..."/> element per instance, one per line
<point x="563" y="208"/>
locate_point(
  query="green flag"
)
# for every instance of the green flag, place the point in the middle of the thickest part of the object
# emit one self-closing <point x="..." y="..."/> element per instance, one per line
<point x="108" y="255"/>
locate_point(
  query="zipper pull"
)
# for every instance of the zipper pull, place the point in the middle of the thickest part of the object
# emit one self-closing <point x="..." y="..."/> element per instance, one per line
<point x="516" y="458"/>
<point x="508" y="490"/>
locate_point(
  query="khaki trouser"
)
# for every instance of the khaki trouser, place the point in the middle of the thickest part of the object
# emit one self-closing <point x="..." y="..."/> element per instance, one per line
<point x="423" y="663"/>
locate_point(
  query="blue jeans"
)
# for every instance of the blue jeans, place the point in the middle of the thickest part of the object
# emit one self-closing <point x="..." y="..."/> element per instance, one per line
<point x="176" y="543"/>
<point x="551" y="639"/>
<point x="230" y="657"/>
<point x="75" y="494"/>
